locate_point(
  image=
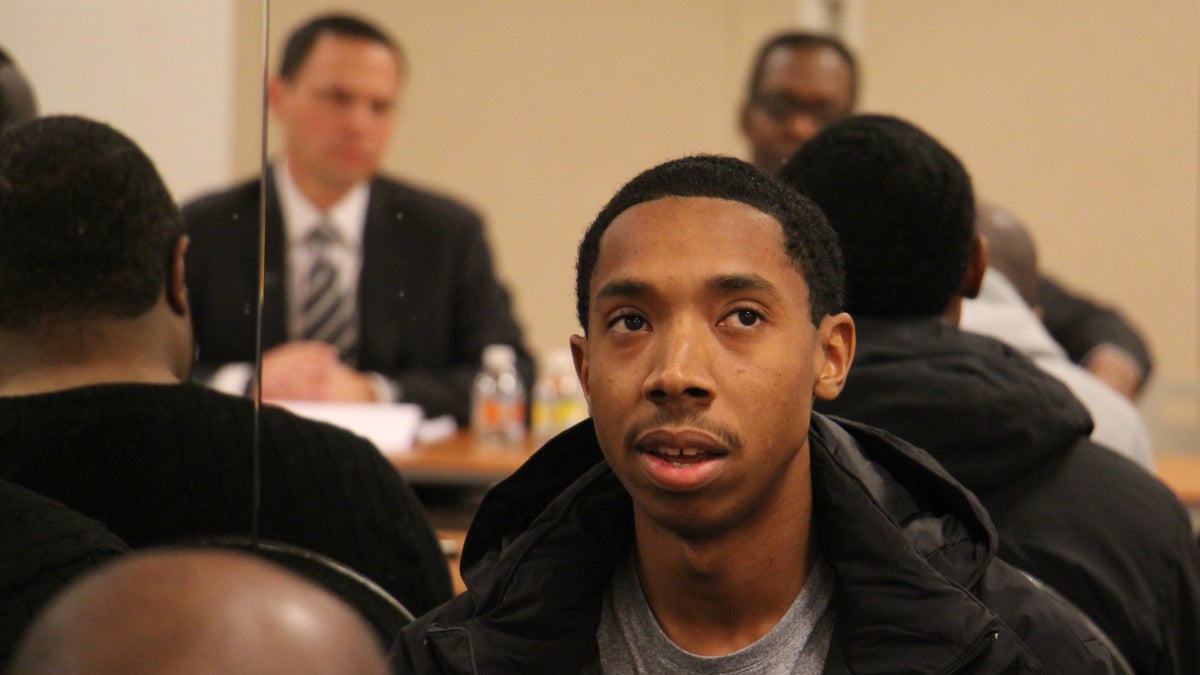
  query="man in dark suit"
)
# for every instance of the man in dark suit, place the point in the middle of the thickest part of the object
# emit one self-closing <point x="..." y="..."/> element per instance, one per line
<point x="374" y="290"/>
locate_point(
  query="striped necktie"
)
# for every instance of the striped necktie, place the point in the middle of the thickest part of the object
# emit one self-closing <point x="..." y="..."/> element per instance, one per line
<point x="327" y="311"/>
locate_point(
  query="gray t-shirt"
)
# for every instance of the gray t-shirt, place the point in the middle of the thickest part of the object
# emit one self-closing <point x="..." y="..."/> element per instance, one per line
<point x="631" y="641"/>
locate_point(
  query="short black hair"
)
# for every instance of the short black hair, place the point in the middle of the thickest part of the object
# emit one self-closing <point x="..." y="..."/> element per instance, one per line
<point x="87" y="227"/>
<point x="300" y="43"/>
<point x="811" y="244"/>
<point x="800" y="40"/>
<point x="902" y="207"/>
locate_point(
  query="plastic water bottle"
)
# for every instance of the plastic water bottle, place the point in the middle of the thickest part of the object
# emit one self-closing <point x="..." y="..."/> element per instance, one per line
<point x="558" y="400"/>
<point x="498" y="398"/>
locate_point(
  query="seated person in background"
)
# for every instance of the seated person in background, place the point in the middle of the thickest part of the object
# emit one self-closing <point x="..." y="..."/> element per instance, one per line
<point x="43" y="547"/>
<point x="95" y="343"/>
<point x="703" y="521"/>
<point x="1096" y="337"/>
<point x="17" y="101"/>
<point x="197" y="611"/>
<point x="1006" y="309"/>
<point x="1088" y="522"/>
<point x="801" y="82"/>
<point x="375" y="290"/>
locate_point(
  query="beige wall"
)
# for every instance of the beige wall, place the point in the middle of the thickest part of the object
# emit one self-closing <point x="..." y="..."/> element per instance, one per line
<point x="159" y="71"/>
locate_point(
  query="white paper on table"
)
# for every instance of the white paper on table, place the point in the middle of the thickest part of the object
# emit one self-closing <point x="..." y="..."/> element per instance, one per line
<point x="392" y="427"/>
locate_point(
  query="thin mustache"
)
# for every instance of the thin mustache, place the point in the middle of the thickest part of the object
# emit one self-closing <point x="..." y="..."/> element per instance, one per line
<point x="689" y="420"/>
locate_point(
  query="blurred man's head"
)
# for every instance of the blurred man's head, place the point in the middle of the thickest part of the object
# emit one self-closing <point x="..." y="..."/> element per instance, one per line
<point x="17" y="101"/>
<point x="1011" y="250"/>
<point x="193" y="611"/>
<point x="89" y="236"/>
<point x="799" y="83"/>
<point x="903" y="210"/>
<point x="336" y="95"/>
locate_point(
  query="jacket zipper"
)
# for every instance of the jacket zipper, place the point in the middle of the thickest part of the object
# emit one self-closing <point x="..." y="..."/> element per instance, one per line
<point x="977" y="648"/>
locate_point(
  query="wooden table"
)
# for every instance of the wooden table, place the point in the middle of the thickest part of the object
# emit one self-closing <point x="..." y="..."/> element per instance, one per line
<point x="460" y="460"/>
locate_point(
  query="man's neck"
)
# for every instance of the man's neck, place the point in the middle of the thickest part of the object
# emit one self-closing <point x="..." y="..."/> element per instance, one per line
<point x="79" y="354"/>
<point x="320" y="194"/>
<point x="716" y="596"/>
<point x="953" y="311"/>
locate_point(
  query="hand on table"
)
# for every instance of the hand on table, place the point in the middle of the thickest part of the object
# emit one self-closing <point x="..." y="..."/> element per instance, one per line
<point x="311" y="371"/>
<point x="1116" y="368"/>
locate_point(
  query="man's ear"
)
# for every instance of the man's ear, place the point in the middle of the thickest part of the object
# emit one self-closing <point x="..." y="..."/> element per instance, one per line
<point x="177" y="295"/>
<point x="744" y="118"/>
<point x="579" y="354"/>
<point x="276" y="91"/>
<point x="977" y="264"/>
<point x="834" y="353"/>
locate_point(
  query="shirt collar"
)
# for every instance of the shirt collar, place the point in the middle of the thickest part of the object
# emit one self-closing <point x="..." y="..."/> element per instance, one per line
<point x="301" y="216"/>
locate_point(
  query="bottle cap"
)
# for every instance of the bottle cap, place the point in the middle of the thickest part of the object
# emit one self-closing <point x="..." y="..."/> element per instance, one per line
<point x="497" y="357"/>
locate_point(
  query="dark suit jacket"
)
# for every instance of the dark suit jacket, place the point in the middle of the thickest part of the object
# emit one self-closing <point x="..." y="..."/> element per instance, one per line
<point x="428" y="297"/>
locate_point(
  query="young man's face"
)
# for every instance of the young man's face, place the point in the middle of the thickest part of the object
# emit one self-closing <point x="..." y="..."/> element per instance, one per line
<point x="802" y="90"/>
<point x="701" y="362"/>
<point x="337" y="111"/>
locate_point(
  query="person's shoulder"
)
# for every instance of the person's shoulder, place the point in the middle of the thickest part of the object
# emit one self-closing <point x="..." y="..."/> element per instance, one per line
<point x="221" y="199"/>
<point x="47" y="527"/>
<point x="281" y="428"/>
<point x="44" y="545"/>
<point x="409" y="200"/>
<point x="1061" y="636"/>
<point x="1127" y="483"/>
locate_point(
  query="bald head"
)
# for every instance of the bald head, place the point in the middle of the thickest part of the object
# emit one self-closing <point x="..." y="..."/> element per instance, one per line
<point x="1010" y="249"/>
<point x="177" y="611"/>
<point x="17" y="101"/>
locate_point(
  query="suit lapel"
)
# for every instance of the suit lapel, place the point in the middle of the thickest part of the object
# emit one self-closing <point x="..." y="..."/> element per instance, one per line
<point x="275" y="297"/>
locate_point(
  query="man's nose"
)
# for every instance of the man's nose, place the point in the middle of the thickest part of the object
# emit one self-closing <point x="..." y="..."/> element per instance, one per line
<point x="682" y="370"/>
<point x="801" y="127"/>
<point x="360" y="116"/>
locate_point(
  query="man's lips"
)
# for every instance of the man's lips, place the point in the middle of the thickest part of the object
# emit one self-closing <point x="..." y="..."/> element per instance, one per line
<point x="681" y="447"/>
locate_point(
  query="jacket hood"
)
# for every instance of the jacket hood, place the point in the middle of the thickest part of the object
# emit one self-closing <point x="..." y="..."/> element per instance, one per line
<point x="983" y="410"/>
<point x="905" y="541"/>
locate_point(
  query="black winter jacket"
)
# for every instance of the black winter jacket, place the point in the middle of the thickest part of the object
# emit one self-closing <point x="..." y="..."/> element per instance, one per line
<point x="1091" y="524"/>
<point x="917" y="587"/>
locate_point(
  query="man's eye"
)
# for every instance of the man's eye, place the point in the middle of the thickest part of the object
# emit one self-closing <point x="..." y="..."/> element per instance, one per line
<point x="629" y="322"/>
<point x="779" y="107"/>
<point x="747" y="317"/>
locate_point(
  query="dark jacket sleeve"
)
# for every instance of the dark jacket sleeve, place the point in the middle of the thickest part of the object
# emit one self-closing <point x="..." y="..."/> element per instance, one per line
<point x="1079" y="325"/>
